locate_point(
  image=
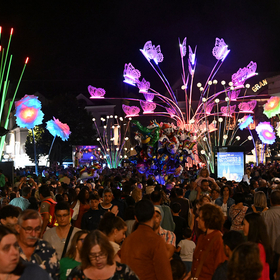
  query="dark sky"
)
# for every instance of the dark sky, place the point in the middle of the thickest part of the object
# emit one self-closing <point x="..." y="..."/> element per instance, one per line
<point x="91" y="40"/>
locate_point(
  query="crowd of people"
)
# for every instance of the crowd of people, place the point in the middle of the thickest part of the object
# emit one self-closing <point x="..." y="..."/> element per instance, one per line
<point x="122" y="225"/>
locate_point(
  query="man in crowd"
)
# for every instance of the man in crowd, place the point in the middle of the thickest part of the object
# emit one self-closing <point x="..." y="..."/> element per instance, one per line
<point x="32" y="249"/>
<point x="9" y="216"/>
<point x="22" y="202"/>
<point x="143" y="250"/>
<point x="107" y="199"/>
<point x="58" y="236"/>
<point x="167" y="235"/>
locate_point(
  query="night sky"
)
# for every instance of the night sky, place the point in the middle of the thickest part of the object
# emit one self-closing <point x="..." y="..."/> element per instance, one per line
<point x="82" y="42"/>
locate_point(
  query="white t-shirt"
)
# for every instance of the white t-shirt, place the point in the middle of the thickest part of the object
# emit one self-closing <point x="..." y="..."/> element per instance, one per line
<point x="224" y="209"/>
<point x="187" y="249"/>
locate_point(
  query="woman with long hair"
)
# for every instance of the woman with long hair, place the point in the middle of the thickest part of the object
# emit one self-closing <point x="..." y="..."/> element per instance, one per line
<point x="255" y="229"/>
<point x="72" y="257"/>
<point x="97" y="261"/>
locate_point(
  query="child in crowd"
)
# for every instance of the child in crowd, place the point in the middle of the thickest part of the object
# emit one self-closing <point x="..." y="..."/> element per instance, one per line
<point x="186" y="248"/>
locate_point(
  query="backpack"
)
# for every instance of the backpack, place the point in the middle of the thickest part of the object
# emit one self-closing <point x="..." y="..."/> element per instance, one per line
<point x="52" y="220"/>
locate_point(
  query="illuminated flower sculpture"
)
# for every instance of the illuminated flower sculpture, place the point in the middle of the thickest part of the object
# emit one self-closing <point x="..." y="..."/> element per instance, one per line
<point x="211" y="122"/>
<point x="57" y="128"/>
<point x="266" y="133"/>
<point x="28" y="112"/>
<point x="272" y="107"/>
<point x="245" y="122"/>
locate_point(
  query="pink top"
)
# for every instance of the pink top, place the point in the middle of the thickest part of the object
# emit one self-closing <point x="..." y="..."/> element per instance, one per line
<point x="265" y="271"/>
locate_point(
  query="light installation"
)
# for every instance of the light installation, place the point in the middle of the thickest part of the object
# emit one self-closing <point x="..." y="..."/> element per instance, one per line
<point x="6" y="61"/>
<point x="214" y="120"/>
<point x="112" y="138"/>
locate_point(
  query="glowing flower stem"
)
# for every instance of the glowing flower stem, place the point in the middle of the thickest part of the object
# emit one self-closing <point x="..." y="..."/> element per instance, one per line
<point x="254" y="146"/>
<point x="35" y="156"/>
<point x="51" y="149"/>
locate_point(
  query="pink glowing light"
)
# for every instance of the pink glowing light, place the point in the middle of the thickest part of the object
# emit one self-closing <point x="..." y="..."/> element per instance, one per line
<point x="209" y="108"/>
<point x="191" y="60"/>
<point x="233" y="95"/>
<point x="143" y="86"/>
<point x="171" y="112"/>
<point x="12" y="31"/>
<point x="183" y="47"/>
<point x="247" y="107"/>
<point x="26" y="60"/>
<point x="96" y="92"/>
<point x="243" y="74"/>
<point x="131" y="111"/>
<point x="0" y="29"/>
<point x="148" y="107"/>
<point x="131" y="75"/>
<point x="272" y="107"/>
<point x="266" y="133"/>
<point x="57" y="128"/>
<point x="220" y="51"/>
<point x="228" y="110"/>
<point x="152" y="52"/>
<point x="149" y="96"/>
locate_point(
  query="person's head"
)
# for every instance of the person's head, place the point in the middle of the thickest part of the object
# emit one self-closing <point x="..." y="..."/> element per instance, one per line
<point x="178" y="268"/>
<point x="107" y="196"/>
<point x="204" y="173"/>
<point x="9" y="251"/>
<point x="77" y="190"/>
<point x="113" y="226"/>
<point x="260" y="199"/>
<point x="187" y="233"/>
<point x="210" y="217"/>
<point x="29" y="227"/>
<point x="96" y="251"/>
<point x="62" y="213"/>
<point x="225" y="191"/>
<point x="66" y="197"/>
<point x="245" y="263"/>
<point x="136" y="194"/>
<point x="76" y="244"/>
<point x="157" y="218"/>
<point x="215" y="194"/>
<point x="175" y="207"/>
<point x="231" y="240"/>
<point x="44" y="191"/>
<point x="179" y="192"/>
<point x="83" y="195"/>
<point x="275" y="197"/>
<point x="93" y="201"/>
<point x="156" y="196"/>
<point x="204" y="185"/>
<point x="9" y="216"/>
<point x="144" y="211"/>
<point x="26" y="192"/>
<point x="204" y="199"/>
<point x="239" y="198"/>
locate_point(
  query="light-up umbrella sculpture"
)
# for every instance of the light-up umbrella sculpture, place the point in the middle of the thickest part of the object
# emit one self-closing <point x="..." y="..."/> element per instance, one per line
<point x="112" y="140"/>
<point x="214" y="120"/>
<point x="28" y="115"/>
<point x="57" y="128"/>
<point x="5" y="66"/>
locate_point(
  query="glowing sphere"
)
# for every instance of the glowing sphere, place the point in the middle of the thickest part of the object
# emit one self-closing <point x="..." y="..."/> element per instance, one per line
<point x="266" y="133"/>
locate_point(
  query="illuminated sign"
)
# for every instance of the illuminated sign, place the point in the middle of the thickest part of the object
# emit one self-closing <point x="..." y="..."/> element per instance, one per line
<point x="258" y="86"/>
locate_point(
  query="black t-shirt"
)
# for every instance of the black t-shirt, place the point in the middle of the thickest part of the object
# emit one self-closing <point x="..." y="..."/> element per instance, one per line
<point x="180" y="225"/>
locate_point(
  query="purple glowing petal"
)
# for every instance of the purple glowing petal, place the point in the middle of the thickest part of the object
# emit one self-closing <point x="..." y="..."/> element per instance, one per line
<point x="233" y="95"/>
<point x="131" y="75"/>
<point x="143" y="86"/>
<point x="148" y="107"/>
<point x="209" y="108"/>
<point x="96" y="92"/>
<point x="247" y="107"/>
<point x="184" y="47"/>
<point x="228" y="110"/>
<point x="131" y="111"/>
<point x="266" y="133"/>
<point x="152" y="52"/>
<point x="243" y="74"/>
<point x="246" y="121"/>
<point x="220" y="51"/>
<point x="149" y="96"/>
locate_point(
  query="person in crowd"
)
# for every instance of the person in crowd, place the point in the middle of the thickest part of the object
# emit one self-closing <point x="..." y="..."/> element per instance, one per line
<point x="247" y="176"/>
<point x="204" y="174"/>
<point x="168" y="236"/>
<point x="97" y="260"/>
<point x="107" y="196"/>
<point x="81" y="207"/>
<point x="231" y="240"/>
<point x="209" y="252"/>
<point x="193" y="192"/>
<point x="73" y="255"/>
<point x="272" y="217"/>
<point x="204" y="189"/>
<point x="9" y="216"/>
<point x="23" y="201"/>
<point x="225" y="201"/>
<point x="178" y="270"/>
<point x="245" y="262"/>
<point x="255" y="230"/>
<point x="92" y="217"/>
<point x="214" y="194"/>
<point x="61" y="235"/>
<point x="143" y="250"/>
<point x="237" y="212"/>
<point x="260" y="203"/>
<point x="31" y="248"/>
<point x="184" y="202"/>
<point x="11" y="267"/>
<point x="114" y="228"/>
<point x="166" y="215"/>
<point x="46" y="208"/>
<point x="180" y="223"/>
<point x="186" y="249"/>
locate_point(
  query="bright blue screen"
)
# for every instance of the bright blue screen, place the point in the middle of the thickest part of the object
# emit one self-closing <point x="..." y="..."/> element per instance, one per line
<point x="230" y="165"/>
